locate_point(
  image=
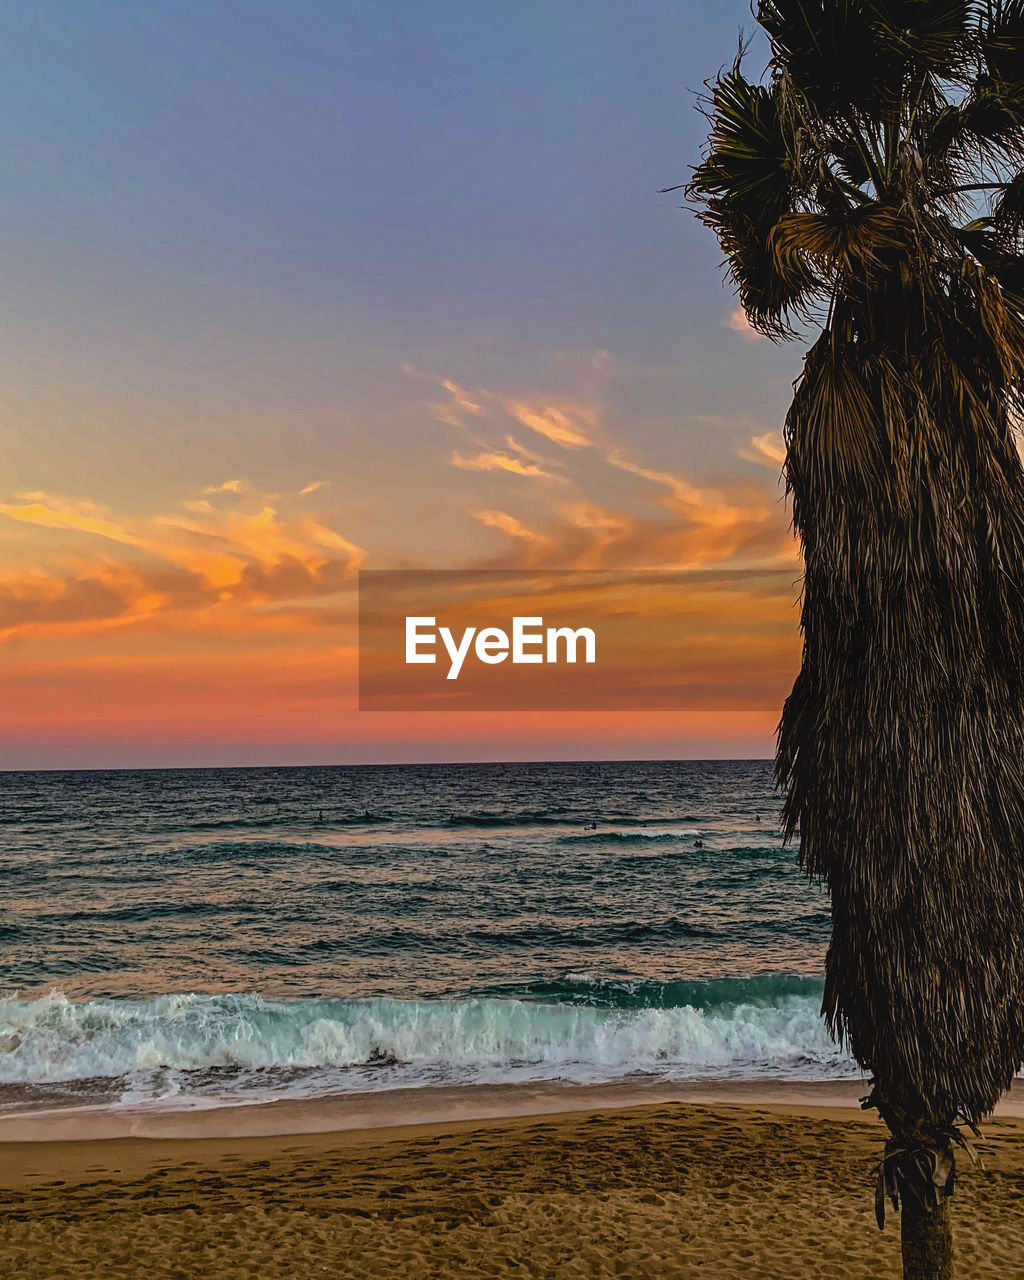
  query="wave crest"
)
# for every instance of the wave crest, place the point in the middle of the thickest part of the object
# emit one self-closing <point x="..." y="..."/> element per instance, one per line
<point x="575" y="1030"/>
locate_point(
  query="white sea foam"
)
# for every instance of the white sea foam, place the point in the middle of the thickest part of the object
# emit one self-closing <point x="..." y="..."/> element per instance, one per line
<point x="229" y="1046"/>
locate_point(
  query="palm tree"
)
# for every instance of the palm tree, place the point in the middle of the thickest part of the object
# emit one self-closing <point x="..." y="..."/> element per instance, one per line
<point x="870" y="184"/>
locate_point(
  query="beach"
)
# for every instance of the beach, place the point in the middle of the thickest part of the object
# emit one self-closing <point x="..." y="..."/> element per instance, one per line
<point x="451" y="1030"/>
<point x="674" y="1189"/>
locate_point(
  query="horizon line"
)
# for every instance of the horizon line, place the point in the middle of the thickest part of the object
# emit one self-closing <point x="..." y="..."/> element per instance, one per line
<point x="389" y="764"/>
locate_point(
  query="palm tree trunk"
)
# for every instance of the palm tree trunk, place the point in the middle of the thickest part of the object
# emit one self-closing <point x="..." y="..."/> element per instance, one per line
<point x="927" y="1239"/>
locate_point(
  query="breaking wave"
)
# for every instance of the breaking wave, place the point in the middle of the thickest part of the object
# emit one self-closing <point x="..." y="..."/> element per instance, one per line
<point x="240" y="1047"/>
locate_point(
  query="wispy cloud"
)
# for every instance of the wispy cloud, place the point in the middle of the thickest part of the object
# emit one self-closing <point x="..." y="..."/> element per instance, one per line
<point x="538" y="545"/>
<point x="514" y="460"/>
<point x="567" y="425"/>
<point x="701" y="523"/>
<point x="81" y="516"/>
<point x="768" y="450"/>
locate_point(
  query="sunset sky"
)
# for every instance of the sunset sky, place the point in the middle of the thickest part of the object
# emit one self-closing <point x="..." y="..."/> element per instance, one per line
<point x="293" y="290"/>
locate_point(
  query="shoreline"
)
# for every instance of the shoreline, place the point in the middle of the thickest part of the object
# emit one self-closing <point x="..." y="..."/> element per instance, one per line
<point x="678" y="1190"/>
<point x="401" y="1109"/>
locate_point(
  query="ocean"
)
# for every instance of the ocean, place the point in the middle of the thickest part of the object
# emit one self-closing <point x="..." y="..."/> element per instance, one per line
<point x="186" y="938"/>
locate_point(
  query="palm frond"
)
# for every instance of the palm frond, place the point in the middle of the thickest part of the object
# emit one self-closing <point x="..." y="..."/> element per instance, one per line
<point x="1001" y="40"/>
<point x="747" y="181"/>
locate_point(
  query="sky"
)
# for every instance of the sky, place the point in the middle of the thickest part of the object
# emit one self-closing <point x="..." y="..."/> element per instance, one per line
<point x="294" y="290"/>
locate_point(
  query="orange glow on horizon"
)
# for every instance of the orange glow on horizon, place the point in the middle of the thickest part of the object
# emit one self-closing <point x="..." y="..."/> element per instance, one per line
<point x="226" y="614"/>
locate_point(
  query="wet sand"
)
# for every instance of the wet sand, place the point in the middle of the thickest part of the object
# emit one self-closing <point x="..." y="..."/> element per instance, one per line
<point x="663" y="1190"/>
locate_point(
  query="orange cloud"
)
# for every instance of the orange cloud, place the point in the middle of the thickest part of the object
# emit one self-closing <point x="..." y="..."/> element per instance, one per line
<point x="171" y="564"/>
<point x="81" y="517"/>
<point x="460" y="404"/>
<point x="722" y="522"/>
<point x="566" y="423"/>
<point x="501" y="461"/>
<point x="567" y="426"/>
<point x="588" y="536"/>
<point x="538" y="545"/>
<point x="603" y="530"/>
<point x="768" y="450"/>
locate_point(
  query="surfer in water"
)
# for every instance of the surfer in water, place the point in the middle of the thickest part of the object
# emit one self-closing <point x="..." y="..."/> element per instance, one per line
<point x="698" y="843"/>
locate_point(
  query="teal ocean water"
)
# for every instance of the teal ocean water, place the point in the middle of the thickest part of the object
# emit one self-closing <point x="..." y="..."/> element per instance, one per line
<point x="217" y="936"/>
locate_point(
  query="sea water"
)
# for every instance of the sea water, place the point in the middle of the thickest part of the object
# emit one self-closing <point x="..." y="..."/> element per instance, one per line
<point x="203" y="937"/>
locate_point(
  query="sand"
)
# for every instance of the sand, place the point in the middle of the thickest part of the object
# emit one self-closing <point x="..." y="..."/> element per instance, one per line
<point x="670" y="1190"/>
